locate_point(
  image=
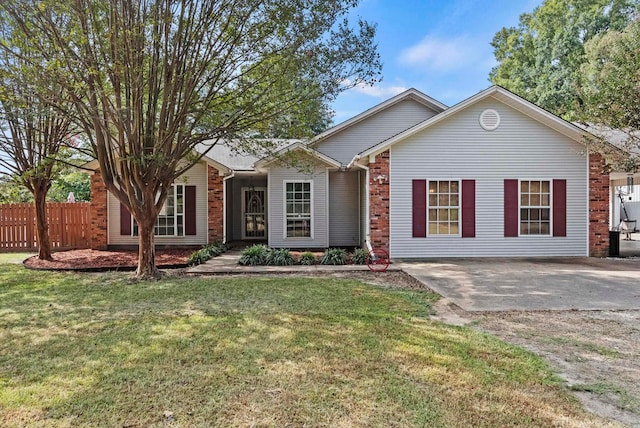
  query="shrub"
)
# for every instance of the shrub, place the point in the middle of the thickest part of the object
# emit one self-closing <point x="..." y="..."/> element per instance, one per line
<point x="359" y="256"/>
<point x="307" y="258"/>
<point x="205" y="253"/>
<point x="280" y="257"/>
<point x="334" y="256"/>
<point x="254" y="255"/>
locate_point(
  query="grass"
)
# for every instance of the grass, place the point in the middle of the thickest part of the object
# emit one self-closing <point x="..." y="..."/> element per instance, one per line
<point x="100" y="350"/>
<point x="6" y="258"/>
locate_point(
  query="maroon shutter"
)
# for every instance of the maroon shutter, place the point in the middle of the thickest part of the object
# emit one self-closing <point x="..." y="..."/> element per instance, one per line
<point x="468" y="208"/>
<point x="559" y="208"/>
<point x="511" y="208"/>
<point x="189" y="210"/>
<point x="125" y="220"/>
<point x="419" y="199"/>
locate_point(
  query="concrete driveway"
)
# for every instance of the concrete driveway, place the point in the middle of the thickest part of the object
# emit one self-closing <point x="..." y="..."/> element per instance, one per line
<point x="532" y="284"/>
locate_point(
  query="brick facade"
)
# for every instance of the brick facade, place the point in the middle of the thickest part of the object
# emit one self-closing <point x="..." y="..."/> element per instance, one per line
<point x="215" y="205"/>
<point x="98" y="213"/>
<point x="598" y="206"/>
<point x="379" y="201"/>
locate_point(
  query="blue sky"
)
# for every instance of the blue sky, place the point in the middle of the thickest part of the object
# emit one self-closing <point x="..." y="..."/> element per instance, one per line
<point x="439" y="47"/>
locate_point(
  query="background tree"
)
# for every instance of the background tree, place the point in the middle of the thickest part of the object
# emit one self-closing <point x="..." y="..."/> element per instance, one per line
<point x="151" y="79"/>
<point x="611" y="87"/>
<point x="540" y="59"/>
<point x="32" y="132"/>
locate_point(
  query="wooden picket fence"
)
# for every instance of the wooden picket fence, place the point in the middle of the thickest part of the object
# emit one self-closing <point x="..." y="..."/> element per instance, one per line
<point x="69" y="226"/>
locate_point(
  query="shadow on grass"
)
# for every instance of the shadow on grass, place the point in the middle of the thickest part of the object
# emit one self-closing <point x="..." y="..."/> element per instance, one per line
<point x="99" y="350"/>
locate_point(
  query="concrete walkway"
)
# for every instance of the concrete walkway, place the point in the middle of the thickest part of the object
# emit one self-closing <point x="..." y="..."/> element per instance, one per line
<point x="501" y="284"/>
<point x="227" y="263"/>
<point x="532" y="284"/>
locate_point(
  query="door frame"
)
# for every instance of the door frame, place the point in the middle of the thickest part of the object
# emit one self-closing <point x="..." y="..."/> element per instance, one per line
<point x="243" y="213"/>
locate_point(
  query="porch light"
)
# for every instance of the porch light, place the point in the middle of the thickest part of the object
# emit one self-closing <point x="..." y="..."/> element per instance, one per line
<point x="629" y="183"/>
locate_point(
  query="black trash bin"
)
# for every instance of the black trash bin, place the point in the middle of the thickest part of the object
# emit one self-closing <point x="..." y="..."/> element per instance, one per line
<point x="614" y="243"/>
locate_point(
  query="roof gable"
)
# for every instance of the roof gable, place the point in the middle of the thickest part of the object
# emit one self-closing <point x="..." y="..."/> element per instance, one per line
<point x="296" y="147"/>
<point x="503" y="95"/>
<point x="409" y="94"/>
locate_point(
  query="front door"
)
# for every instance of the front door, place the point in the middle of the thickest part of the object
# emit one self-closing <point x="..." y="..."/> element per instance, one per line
<point x="254" y="214"/>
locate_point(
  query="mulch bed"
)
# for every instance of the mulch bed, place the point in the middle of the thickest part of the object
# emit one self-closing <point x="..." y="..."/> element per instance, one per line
<point x="94" y="260"/>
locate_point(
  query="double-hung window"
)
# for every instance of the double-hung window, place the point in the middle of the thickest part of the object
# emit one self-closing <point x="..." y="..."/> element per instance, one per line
<point x="535" y="207"/>
<point x="170" y="221"/>
<point x="444" y="207"/>
<point x="298" y="200"/>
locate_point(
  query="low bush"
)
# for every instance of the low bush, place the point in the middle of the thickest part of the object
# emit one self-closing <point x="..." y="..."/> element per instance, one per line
<point x="307" y="258"/>
<point x="255" y="255"/>
<point x="359" y="256"/>
<point x="280" y="257"/>
<point x="334" y="256"/>
<point x="206" y="253"/>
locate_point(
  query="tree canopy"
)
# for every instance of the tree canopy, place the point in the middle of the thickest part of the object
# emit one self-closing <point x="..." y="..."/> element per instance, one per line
<point x="540" y="59"/>
<point x="611" y="86"/>
<point x="32" y="131"/>
<point x="151" y="79"/>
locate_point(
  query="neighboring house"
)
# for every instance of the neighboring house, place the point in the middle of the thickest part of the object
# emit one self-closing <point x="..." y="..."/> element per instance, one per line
<point x="491" y="176"/>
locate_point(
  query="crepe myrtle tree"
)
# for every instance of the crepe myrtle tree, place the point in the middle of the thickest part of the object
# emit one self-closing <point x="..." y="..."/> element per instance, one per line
<point x="32" y="132"/>
<point x="152" y="79"/>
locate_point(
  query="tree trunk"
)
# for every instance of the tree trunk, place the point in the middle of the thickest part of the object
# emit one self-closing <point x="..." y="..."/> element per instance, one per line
<point x="147" y="249"/>
<point x="42" y="224"/>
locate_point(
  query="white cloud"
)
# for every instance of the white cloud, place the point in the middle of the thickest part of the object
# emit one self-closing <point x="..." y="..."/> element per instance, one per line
<point x="379" y="91"/>
<point x="440" y="54"/>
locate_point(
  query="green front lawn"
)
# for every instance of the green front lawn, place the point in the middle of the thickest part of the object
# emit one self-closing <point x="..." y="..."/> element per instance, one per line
<point x="98" y="349"/>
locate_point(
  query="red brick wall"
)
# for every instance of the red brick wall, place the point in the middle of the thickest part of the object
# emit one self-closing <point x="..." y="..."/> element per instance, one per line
<point x="215" y="201"/>
<point x="598" y="207"/>
<point x="379" y="201"/>
<point x="98" y="213"/>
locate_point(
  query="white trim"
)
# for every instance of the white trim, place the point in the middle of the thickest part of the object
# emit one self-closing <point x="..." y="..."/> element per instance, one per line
<point x="367" y="225"/>
<point x="326" y="204"/>
<point x="550" y="180"/>
<point x="566" y="128"/>
<point x="295" y="147"/>
<point x="311" y="209"/>
<point x="174" y="186"/>
<point x="243" y="223"/>
<point x="442" y="235"/>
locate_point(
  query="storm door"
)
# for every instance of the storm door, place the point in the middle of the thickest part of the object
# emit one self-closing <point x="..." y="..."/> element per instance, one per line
<point x="254" y="222"/>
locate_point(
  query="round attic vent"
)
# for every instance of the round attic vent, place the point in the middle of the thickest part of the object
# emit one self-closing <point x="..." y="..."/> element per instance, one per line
<point x="489" y="119"/>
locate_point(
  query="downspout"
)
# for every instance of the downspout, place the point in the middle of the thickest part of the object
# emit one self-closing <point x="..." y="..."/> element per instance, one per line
<point x="224" y="205"/>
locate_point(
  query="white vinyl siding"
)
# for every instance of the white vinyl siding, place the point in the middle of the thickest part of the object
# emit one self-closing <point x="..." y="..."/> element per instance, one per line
<point x="196" y="176"/>
<point x="457" y="149"/>
<point x="276" y="200"/>
<point x="344" y="221"/>
<point x="344" y="145"/>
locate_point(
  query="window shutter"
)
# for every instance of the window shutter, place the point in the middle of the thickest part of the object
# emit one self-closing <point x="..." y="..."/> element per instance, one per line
<point x="125" y="220"/>
<point x="419" y="201"/>
<point x="559" y="207"/>
<point x="189" y="210"/>
<point x="511" y="208"/>
<point x="468" y="208"/>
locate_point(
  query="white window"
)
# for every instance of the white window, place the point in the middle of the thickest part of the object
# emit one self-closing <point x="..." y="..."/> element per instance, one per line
<point x="535" y="207"/>
<point x="170" y="221"/>
<point x="444" y="207"/>
<point x="298" y="203"/>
